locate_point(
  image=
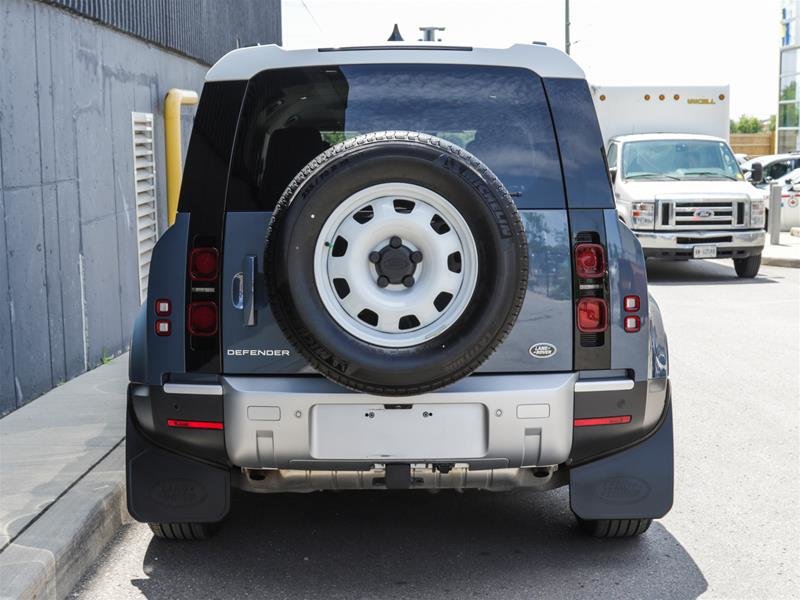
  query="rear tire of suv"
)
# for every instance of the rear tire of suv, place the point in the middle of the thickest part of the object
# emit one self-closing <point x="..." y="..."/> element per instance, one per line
<point x="747" y="268"/>
<point x="181" y="531"/>
<point x="614" y="528"/>
<point x="396" y="262"/>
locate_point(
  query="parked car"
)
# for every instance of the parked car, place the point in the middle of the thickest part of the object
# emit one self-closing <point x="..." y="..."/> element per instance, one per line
<point x="741" y="158"/>
<point x="790" y="199"/>
<point x="445" y="298"/>
<point x="773" y="166"/>
<point x="676" y="182"/>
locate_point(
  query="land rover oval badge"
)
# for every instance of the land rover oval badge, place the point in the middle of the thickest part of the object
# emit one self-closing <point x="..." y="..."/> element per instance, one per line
<point x="542" y="350"/>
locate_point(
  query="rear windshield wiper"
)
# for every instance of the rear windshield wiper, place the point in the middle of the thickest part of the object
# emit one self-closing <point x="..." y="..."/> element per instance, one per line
<point x="637" y="175"/>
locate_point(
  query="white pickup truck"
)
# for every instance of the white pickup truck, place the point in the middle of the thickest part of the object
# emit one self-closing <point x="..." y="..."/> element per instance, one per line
<point x="676" y="182"/>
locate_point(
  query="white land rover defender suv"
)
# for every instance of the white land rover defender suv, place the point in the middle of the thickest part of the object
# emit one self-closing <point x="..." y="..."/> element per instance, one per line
<point x="397" y="267"/>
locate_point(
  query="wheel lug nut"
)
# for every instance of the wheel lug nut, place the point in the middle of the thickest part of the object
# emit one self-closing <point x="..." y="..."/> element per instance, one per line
<point x="383" y="281"/>
<point x="395" y="242"/>
<point x="408" y="281"/>
<point x="416" y="257"/>
<point x="374" y="257"/>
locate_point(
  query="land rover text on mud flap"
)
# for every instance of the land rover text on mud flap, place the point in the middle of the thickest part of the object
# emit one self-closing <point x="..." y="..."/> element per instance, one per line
<point x="397" y="267"/>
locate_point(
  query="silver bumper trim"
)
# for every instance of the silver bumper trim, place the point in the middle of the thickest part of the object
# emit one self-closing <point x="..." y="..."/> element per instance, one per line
<point x="195" y="389"/>
<point x="542" y="437"/>
<point x="669" y="239"/>
<point x="603" y="385"/>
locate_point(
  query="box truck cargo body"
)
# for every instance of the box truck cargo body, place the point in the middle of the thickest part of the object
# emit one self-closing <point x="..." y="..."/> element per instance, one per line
<point x="676" y="181"/>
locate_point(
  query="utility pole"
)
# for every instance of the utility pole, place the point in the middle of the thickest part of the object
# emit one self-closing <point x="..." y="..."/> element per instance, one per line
<point x="566" y="27"/>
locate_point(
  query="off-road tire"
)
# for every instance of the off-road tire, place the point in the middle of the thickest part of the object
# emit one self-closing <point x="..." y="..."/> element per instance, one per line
<point x="181" y="531"/>
<point x="388" y="157"/>
<point x="747" y="268"/>
<point x="614" y="528"/>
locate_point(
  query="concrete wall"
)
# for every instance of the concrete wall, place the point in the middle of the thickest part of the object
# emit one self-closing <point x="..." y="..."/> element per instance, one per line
<point x="201" y="29"/>
<point x="68" y="251"/>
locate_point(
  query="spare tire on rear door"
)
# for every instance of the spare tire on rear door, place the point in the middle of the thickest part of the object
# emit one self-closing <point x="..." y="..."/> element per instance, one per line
<point x="396" y="263"/>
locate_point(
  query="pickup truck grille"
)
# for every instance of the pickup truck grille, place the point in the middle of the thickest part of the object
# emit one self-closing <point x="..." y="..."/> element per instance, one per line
<point x="701" y="214"/>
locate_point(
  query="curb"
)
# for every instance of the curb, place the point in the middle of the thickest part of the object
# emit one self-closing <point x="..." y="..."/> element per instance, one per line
<point x="49" y="558"/>
<point x="780" y="261"/>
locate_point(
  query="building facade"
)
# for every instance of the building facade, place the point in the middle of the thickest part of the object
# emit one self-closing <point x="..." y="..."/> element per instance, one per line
<point x="788" y="123"/>
<point x="82" y="177"/>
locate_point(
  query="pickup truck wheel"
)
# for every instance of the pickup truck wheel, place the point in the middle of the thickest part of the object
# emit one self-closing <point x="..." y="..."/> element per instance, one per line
<point x="396" y="262"/>
<point x="181" y="531"/>
<point x="747" y="267"/>
<point x="614" y="528"/>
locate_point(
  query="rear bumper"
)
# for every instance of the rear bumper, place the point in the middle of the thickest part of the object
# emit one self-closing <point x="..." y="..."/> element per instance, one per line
<point x="680" y="244"/>
<point x="486" y="422"/>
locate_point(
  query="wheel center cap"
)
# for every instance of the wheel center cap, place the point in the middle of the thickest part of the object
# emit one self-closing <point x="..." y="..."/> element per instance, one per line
<point x="395" y="263"/>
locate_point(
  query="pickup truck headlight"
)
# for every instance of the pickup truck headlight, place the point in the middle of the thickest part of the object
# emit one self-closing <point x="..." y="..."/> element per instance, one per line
<point x="643" y="215"/>
<point x="757" y="213"/>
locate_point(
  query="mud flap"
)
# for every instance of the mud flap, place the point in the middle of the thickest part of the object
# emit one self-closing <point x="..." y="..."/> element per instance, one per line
<point x="636" y="483"/>
<point x="164" y="487"/>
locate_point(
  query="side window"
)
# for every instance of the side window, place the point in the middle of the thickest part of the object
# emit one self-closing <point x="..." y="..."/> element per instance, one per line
<point x="580" y="144"/>
<point x="612" y="155"/>
<point x="778" y="169"/>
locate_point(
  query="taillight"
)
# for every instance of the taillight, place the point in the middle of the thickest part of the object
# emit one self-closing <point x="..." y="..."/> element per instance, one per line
<point x="195" y="424"/>
<point x="590" y="261"/>
<point x="163" y="327"/>
<point x="632" y="323"/>
<point x="202" y="319"/>
<point x="592" y="315"/>
<point x="590" y="422"/>
<point x="631" y="303"/>
<point x="203" y="264"/>
<point x="163" y="307"/>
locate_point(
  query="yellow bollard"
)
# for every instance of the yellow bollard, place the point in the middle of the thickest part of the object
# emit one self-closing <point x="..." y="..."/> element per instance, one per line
<point x="172" y="140"/>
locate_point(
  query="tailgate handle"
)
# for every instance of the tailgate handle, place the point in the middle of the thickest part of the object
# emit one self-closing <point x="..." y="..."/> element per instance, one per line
<point x="249" y="290"/>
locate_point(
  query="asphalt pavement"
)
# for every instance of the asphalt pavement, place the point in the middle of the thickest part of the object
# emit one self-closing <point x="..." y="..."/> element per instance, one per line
<point x="734" y="531"/>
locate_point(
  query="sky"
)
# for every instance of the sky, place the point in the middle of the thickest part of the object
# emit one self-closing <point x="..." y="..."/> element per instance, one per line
<point x="616" y="42"/>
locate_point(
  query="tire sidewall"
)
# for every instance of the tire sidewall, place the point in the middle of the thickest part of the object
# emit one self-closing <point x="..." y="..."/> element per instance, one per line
<point x="502" y="266"/>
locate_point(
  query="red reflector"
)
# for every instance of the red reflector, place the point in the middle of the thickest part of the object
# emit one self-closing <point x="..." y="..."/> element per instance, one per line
<point x="202" y="318"/>
<point x="163" y="307"/>
<point x="632" y="324"/>
<point x="631" y="303"/>
<point x="590" y="261"/>
<point x="620" y="420"/>
<point x="592" y="315"/>
<point x="163" y="327"/>
<point x="203" y="264"/>
<point x="195" y="424"/>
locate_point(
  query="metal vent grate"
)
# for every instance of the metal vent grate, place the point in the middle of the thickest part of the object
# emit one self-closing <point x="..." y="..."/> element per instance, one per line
<point x="144" y="179"/>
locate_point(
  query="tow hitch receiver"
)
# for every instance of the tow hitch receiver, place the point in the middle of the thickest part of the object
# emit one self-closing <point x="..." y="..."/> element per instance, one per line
<point x="398" y="477"/>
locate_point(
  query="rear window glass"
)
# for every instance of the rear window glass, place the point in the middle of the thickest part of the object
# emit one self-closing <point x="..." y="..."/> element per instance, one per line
<point x="499" y="114"/>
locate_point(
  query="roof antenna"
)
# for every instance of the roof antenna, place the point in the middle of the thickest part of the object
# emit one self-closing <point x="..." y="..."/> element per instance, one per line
<point x="429" y="34"/>
<point x="395" y="37"/>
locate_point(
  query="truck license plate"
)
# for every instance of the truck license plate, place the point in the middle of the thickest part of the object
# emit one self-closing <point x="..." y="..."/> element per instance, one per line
<point x="705" y="251"/>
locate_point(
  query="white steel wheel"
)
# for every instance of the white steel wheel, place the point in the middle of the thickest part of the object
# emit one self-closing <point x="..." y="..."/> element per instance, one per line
<point x="395" y="265"/>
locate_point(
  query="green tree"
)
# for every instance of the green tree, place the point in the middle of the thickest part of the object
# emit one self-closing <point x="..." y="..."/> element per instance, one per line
<point x="746" y="124"/>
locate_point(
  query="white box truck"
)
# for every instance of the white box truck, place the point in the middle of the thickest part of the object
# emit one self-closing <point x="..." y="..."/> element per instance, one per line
<point x="677" y="184"/>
